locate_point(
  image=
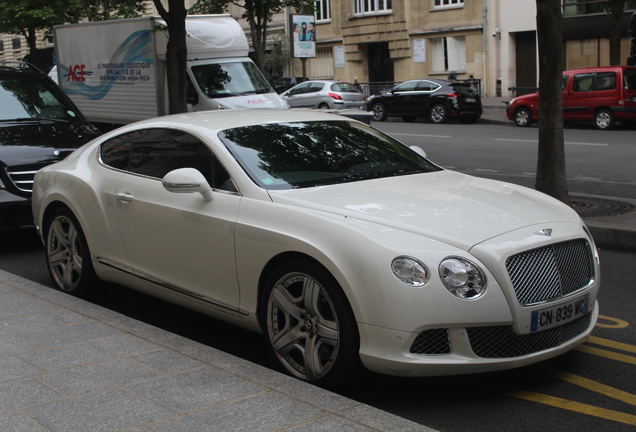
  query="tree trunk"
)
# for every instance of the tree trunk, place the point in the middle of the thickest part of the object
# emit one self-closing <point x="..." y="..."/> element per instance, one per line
<point x="551" y="178"/>
<point x="614" y="15"/>
<point x="258" y="30"/>
<point x="176" y="54"/>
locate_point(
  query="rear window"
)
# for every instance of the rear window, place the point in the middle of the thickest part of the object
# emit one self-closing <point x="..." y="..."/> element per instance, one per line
<point x="344" y="88"/>
<point x="630" y="79"/>
<point x="463" y="89"/>
<point x="605" y="81"/>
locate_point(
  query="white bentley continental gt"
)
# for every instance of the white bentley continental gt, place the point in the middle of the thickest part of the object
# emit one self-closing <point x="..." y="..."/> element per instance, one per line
<point x="338" y="243"/>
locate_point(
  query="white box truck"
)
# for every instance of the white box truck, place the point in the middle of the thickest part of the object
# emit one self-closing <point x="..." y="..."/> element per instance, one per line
<point x="115" y="71"/>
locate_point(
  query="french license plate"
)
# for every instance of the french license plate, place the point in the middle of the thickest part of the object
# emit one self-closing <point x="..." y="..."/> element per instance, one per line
<point x="470" y="99"/>
<point x="558" y="315"/>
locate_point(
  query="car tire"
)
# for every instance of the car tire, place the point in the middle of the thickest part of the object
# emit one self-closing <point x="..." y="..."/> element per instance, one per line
<point x="379" y="111"/>
<point x="323" y="105"/>
<point x="438" y="114"/>
<point x="523" y="117"/>
<point x="308" y="324"/>
<point x="604" y="119"/>
<point x="409" y="119"/>
<point x="67" y="254"/>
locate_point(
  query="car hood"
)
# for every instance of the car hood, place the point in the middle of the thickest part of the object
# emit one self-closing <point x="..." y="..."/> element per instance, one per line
<point x="28" y="143"/>
<point x="447" y="206"/>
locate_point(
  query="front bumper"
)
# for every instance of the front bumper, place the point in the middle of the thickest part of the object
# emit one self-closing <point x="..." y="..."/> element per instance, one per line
<point x="389" y="351"/>
<point x="15" y="211"/>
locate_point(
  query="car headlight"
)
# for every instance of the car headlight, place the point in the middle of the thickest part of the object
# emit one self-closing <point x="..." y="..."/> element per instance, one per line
<point x="462" y="278"/>
<point x="410" y="271"/>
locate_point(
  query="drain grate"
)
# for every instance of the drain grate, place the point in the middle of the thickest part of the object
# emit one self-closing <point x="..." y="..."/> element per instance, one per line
<point x="587" y="206"/>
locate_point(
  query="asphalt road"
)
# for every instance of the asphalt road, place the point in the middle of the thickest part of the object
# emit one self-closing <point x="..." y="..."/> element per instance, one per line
<point x="597" y="162"/>
<point x="591" y="388"/>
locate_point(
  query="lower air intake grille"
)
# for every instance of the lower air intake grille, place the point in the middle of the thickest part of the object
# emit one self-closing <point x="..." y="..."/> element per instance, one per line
<point x="502" y="342"/>
<point x="432" y="342"/>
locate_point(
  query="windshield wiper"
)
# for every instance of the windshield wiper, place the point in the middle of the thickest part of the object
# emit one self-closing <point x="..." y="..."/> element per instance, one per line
<point x="35" y="119"/>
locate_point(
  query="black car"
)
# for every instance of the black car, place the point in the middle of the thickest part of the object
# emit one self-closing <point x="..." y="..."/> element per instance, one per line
<point x="437" y="100"/>
<point x="39" y="125"/>
<point x="285" y="83"/>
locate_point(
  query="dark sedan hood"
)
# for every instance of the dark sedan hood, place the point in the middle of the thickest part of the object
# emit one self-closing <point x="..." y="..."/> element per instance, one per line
<point x="27" y="143"/>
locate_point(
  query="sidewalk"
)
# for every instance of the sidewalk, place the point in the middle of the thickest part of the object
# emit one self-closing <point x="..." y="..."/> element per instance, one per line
<point x="67" y="365"/>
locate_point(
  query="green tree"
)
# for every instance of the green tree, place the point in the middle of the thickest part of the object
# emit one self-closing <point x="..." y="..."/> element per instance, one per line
<point x="551" y="158"/>
<point x="614" y="10"/>
<point x="176" y="54"/>
<point x="258" y="13"/>
<point x="26" y="17"/>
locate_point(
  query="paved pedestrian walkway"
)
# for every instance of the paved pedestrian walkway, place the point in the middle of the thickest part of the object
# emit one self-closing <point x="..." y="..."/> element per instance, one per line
<point x="67" y="365"/>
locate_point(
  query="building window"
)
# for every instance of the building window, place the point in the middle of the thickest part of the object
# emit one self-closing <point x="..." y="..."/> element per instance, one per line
<point x="588" y="7"/>
<point x="449" y="54"/>
<point x="445" y="4"/>
<point x="323" y="10"/>
<point x="371" y="7"/>
<point x="17" y="43"/>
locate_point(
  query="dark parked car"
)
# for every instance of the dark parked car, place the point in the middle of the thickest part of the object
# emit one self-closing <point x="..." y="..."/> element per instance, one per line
<point x="285" y="83"/>
<point x="39" y="125"/>
<point x="436" y="100"/>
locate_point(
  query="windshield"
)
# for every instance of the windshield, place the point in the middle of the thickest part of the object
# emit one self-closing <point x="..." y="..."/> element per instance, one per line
<point x="28" y="96"/>
<point x="220" y="80"/>
<point x="306" y="154"/>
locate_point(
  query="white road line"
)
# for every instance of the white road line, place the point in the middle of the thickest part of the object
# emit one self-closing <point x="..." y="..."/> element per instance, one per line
<point x="566" y="142"/>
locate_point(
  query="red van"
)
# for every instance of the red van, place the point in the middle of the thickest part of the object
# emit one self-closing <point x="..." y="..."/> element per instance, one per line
<point x="603" y="95"/>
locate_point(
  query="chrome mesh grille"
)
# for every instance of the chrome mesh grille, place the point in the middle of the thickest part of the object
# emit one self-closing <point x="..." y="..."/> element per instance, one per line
<point x="550" y="272"/>
<point x="432" y="342"/>
<point x="502" y="342"/>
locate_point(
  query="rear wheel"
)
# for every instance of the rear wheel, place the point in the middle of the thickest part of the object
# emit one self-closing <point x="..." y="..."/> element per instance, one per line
<point x="309" y="327"/>
<point x="323" y="105"/>
<point x="438" y="114"/>
<point x="379" y="112"/>
<point x="604" y="119"/>
<point x="67" y="255"/>
<point x="523" y="117"/>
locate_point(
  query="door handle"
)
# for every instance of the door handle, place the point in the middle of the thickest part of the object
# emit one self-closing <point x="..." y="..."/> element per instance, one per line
<point x="125" y="197"/>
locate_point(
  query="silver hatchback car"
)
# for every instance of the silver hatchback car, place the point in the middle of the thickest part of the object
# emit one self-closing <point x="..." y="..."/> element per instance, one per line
<point x="325" y="94"/>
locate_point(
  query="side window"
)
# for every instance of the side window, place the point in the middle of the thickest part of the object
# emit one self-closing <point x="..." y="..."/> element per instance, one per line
<point x="605" y="81"/>
<point x="407" y="86"/>
<point x="156" y="152"/>
<point x="583" y="82"/>
<point x="315" y="87"/>
<point x="428" y="86"/>
<point x="299" y="90"/>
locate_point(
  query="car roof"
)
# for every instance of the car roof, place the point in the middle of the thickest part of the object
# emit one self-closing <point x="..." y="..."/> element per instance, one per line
<point x="218" y="120"/>
<point x="597" y="69"/>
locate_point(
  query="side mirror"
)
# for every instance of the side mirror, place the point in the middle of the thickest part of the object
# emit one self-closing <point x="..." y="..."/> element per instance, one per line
<point x="419" y="150"/>
<point x="187" y="180"/>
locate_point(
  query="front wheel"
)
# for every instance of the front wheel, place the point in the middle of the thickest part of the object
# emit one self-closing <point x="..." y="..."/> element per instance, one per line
<point x="523" y="117"/>
<point x="604" y="119"/>
<point x="309" y="326"/>
<point x="438" y="114"/>
<point x="67" y="255"/>
<point x="379" y="112"/>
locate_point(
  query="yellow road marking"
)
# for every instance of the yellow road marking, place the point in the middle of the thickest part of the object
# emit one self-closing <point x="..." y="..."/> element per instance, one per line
<point x="594" y="386"/>
<point x="617" y="323"/>
<point x="574" y="406"/>
<point x="607" y="354"/>
<point x="612" y="344"/>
